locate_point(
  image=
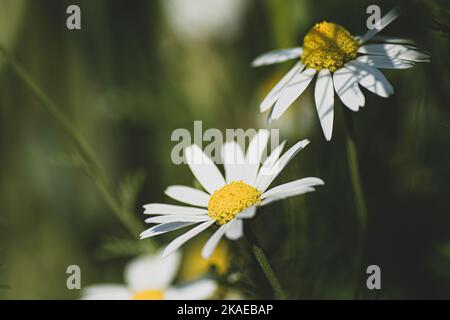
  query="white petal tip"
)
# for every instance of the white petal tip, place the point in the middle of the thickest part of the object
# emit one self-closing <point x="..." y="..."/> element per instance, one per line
<point x="262" y="107"/>
<point x="206" y="255"/>
<point x="320" y="182"/>
<point x="234" y="237"/>
<point x="305" y="143"/>
<point x="143" y="236"/>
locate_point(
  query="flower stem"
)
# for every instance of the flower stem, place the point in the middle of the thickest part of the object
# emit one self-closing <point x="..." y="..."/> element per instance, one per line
<point x="263" y="262"/>
<point x="355" y="175"/>
<point x="93" y="166"/>
<point x="360" y="201"/>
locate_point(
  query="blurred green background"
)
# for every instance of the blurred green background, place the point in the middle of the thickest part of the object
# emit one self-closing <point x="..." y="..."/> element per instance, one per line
<point x="140" y="69"/>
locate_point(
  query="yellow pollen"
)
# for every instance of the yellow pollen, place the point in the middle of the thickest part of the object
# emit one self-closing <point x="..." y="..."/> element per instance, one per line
<point x="328" y="46"/>
<point x="232" y="199"/>
<point x="149" y="295"/>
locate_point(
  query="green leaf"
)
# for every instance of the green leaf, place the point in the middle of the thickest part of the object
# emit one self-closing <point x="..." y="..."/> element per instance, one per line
<point x="129" y="190"/>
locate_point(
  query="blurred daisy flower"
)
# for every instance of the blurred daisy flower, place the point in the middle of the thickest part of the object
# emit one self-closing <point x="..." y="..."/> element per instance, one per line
<point x="342" y="62"/>
<point x="149" y="278"/>
<point x="194" y="266"/>
<point x="227" y="201"/>
<point x="204" y="19"/>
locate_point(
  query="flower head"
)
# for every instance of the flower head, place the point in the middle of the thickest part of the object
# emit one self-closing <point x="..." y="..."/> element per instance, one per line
<point x="342" y="63"/>
<point x="227" y="200"/>
<point x="149" y="278"/>
<point x="204" y="19"/>
<point x="328" y="46"/>
<point x="194" y="266"/>
<point x="233" y="198"/>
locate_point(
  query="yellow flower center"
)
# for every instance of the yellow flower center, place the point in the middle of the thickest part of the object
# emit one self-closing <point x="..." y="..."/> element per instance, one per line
<point x="328" y="46"/>
<point x="231" y="199"/>
<point x="149" y="295"/>
<point x="194" y="266"/>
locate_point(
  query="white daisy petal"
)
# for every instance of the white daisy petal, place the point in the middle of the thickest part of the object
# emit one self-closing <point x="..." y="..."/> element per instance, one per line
<point x="285" y="195"/>
<point x="233" y="161"/>
<point x="275" y="155"/>
<point x="152" y="272"/>
<point x="204" y="169"/>
<point x="213" y="241"/>
<point x="188" y="195"/>
<point x="247" y="213"/>
<point x="264" y="180"/>
<point x="383" y="49"/>
<point x="106" y="292"/>
<point x="385" y="62"/>
<point x="291" y="92"/>
<point x="346" y="85"/>
<point x="235" y="230"/>
<point x="277" y="56"/>
<point x="292" y="186"/>
<point x="164" y="228"/>
<point x="415" y="56"/>
<point x="162" y="208"/>
<point x="276" y="91"/>
<point x="254" y="155"/>
<point x="373" y="80"/>
<point x="271" y="159"/>
<point x="175" y="244"/>
<point x="324" y="96"/>
<point x="177" y="218"/>
<point x="198" y="290"/>
<point x="389" y="39"/>
<point x="381" y="24"/>
<point x="395" y="51"/>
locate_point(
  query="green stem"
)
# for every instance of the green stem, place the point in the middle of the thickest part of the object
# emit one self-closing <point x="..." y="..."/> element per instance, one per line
<point x="263" y="262"/>
<point x="360" y="202"/>
<point x="355" y="175"/>
<point x="94" y="168"/>
<point x="51" y="107"/>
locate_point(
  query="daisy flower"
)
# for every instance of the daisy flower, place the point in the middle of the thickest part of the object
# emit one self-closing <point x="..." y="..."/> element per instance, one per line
<point x="195" y="266"/>
<point x="341" y="62"/>
<point x="227" y="200"/>
<point x="149" y="278"/>
<point x="205" y="19"/>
